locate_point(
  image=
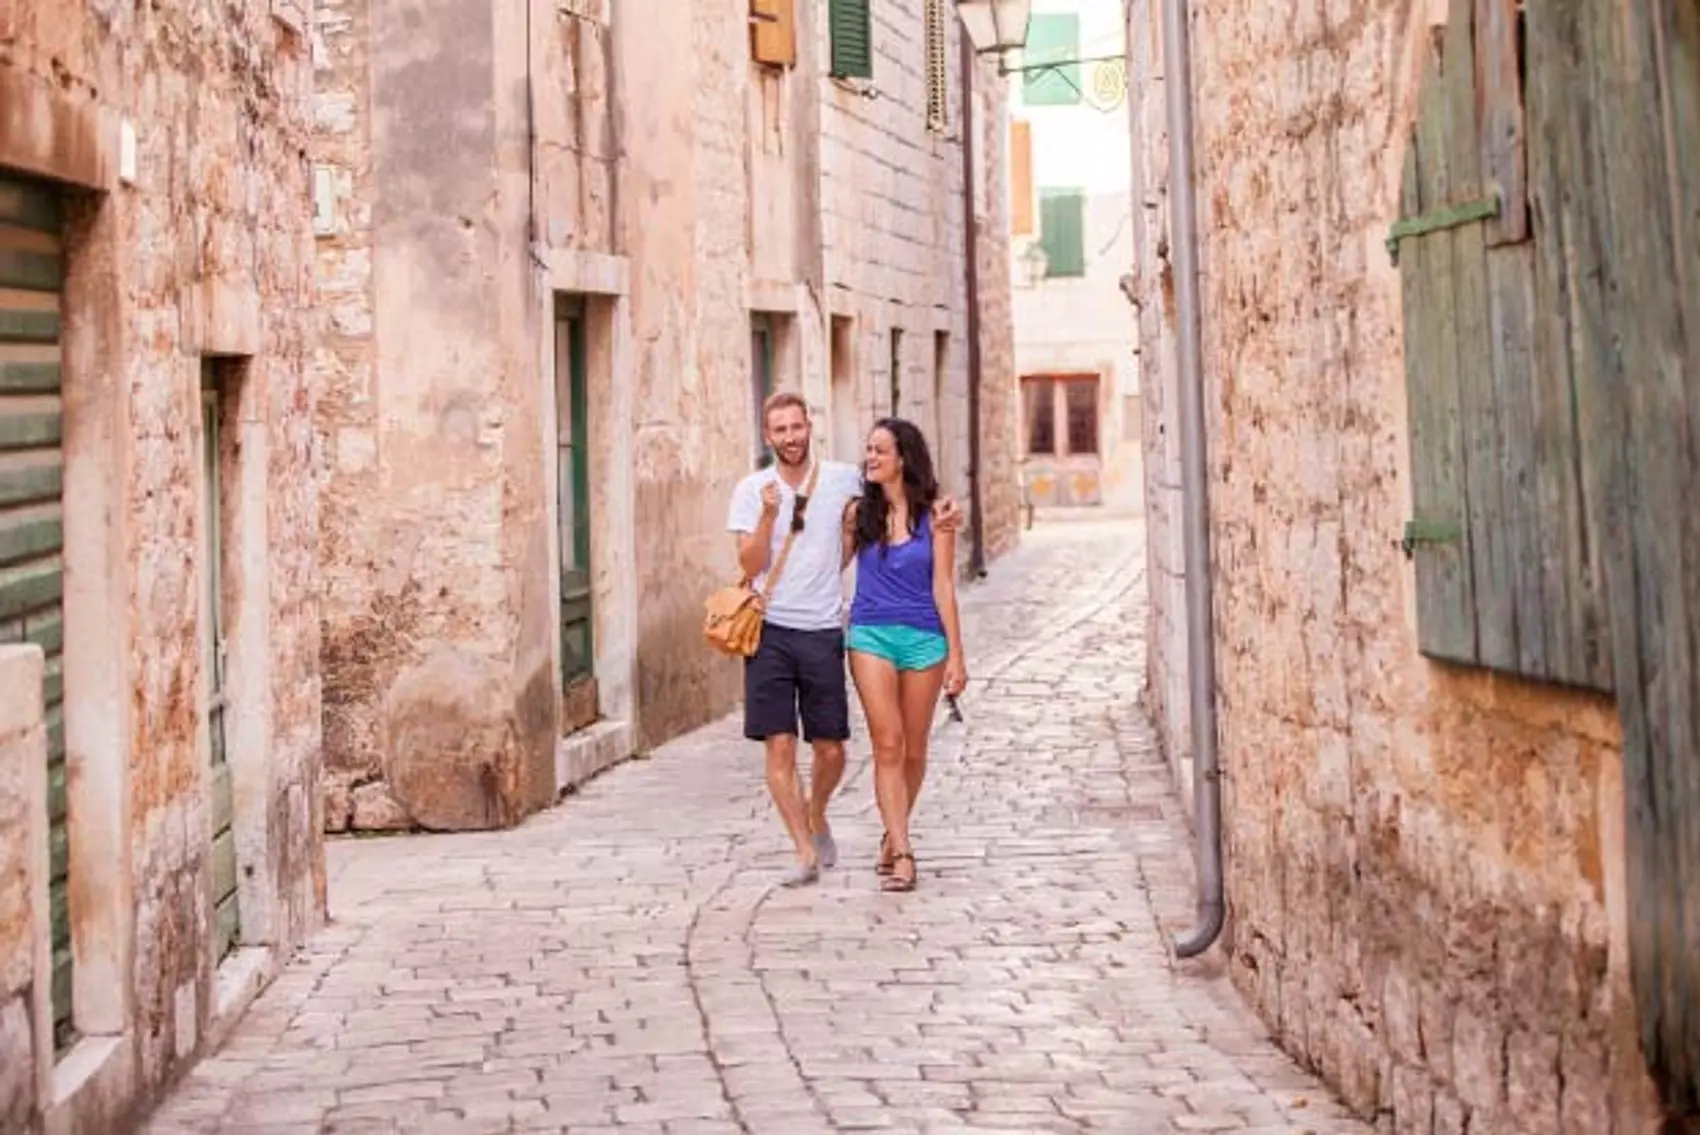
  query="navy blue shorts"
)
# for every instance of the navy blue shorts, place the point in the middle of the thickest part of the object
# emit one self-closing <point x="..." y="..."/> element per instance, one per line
<point x="797" y="674"/>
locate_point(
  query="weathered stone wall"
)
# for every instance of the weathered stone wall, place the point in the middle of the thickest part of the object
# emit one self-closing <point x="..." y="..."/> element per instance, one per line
<point x="1166" y="680"/>
<point x="792" y="194"/>
<point x="704" y="188"/>
<point x="894" y="245"/>
<point x="23" y="883"/>
<point x="1000" y="404"/>
<point x="684" y="225"/>
<point x="201" y="249"/>
<point x="1425" y="870"/>
<point x="441" y="698"/>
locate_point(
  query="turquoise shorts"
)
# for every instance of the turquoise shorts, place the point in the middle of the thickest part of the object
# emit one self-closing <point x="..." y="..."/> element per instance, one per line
<point x="904" y="647"/>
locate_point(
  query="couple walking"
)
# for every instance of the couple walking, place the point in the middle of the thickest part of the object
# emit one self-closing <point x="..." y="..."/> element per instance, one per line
<point x="904" y="640"/>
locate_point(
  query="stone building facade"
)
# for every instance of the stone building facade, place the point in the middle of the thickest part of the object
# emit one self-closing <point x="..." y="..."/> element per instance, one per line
<point x="1076" y="348"/>
<point x="1425" y="864"/>
<point x="556" y="280"/>
<point x="160" y="848"/>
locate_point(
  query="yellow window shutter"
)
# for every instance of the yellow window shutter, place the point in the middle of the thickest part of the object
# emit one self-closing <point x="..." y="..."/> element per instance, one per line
<point x="1021" y="178"/>
<point x="773" y="32"/>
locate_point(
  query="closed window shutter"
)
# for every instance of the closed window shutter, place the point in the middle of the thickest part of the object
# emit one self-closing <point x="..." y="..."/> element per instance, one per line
<point x="773" y="32"/>
<point x="852" y="32"/>
<point x="1021" y="178"/>
<point x="1052" y="38"/>
<point x="1062" y="231"/>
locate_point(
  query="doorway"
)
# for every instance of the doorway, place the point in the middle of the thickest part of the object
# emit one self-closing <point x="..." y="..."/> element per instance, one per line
<point x="217" y="401"/>
<point x="579" y="696"/>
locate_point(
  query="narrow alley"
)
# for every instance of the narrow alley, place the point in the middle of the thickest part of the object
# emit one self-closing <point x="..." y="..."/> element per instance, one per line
<point x="624" y="962"/>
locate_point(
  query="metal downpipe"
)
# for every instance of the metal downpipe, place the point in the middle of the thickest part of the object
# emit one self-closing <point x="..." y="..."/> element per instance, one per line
<point x="1195" y="470"/>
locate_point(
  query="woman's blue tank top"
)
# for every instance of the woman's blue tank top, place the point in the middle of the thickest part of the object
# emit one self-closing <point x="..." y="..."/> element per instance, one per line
<point x="894" y="584"/>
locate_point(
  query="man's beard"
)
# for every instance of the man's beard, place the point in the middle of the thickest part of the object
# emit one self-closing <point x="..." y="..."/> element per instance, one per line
<point x="802" y="457"/>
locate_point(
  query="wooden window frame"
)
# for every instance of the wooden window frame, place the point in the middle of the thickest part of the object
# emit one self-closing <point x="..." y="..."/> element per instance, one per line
<point x="1055" y="387"/>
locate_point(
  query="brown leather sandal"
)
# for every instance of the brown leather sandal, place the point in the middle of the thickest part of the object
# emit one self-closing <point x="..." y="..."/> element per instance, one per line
<point x="894" y="882"/>
<point x="883" y="865"/>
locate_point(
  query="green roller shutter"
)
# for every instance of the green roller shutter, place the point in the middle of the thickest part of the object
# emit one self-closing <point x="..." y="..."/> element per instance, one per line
<point x="31" y="511"/>
<point x="851" y="25"/>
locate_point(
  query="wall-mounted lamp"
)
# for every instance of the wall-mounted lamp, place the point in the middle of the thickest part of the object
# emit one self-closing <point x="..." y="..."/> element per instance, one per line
<point x="996" y="26"/>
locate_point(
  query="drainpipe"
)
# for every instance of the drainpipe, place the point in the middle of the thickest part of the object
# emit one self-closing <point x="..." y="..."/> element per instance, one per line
<point x="971" y="257"/>
<point x="1200" y="633"/>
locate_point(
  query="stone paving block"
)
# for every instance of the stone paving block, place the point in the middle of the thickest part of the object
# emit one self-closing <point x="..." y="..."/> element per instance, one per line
<point x="623" y="963"/>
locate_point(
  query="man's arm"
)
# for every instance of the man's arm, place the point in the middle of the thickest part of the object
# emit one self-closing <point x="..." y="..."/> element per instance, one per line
<point x="752" y="526"/>
<point x="947" y="515"/>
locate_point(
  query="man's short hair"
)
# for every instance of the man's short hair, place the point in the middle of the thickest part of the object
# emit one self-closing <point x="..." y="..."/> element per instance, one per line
<point x="784" y="399"/>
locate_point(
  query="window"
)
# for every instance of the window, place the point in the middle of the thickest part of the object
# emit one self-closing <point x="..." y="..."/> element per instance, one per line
<point x="1080" y="402"/>
<point x="851" y="27"/>
<point x="761" y="383"/>
<point x="1039" y="401"/>
<point x="773" y="32"/>
<point x="1021" y="179"/>
<point x="1052" y="37"/>
<point x="1498" y="357"/>
<point x="938" y="72"/>
<point x="1072" y="400"/>
<point x="1062" y="232"/>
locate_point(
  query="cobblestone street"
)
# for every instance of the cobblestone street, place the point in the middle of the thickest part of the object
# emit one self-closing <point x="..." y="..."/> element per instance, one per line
<point x="625" y="963"/>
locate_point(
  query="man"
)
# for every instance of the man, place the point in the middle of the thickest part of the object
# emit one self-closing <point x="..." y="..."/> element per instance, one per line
<point x="798" y="670"/>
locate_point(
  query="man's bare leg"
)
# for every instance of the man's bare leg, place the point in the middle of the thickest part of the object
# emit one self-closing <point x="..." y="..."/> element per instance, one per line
<point x="787" y="792"/>
<point x="824" y="778"/>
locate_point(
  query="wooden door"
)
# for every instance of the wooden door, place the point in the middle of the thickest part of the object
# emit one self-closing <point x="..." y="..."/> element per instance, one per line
<point x="227" y="910"/>
<point x="572" y="488"/>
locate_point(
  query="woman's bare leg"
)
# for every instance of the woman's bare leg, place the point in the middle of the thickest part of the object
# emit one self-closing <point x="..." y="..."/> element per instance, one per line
<point x="918" y="694"/>
<point x="877" y="685"/>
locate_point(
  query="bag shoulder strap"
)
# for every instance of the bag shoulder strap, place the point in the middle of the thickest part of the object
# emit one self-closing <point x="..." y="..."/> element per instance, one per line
<point x="790" y="538"/>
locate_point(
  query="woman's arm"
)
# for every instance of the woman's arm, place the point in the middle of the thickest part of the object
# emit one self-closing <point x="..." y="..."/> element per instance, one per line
<point x="944" y="594"/>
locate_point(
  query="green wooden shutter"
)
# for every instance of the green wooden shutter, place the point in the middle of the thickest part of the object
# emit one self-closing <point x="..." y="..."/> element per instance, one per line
<point x="1052" y="38"/>
<point x="851" y="25"/>
<point x="31" y="512"/>
<point x="1062" y="231"/>
<point x="1503" y="528"/>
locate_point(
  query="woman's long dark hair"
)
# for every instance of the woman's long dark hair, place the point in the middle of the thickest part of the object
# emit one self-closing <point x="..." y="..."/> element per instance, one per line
<point x="920" y="486"/>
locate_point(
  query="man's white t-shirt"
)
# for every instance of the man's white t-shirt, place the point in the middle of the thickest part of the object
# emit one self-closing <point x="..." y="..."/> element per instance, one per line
<point x="810" y="595"/>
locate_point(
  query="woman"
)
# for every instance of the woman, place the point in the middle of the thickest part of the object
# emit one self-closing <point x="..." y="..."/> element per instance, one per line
<point x="905" y="638"/>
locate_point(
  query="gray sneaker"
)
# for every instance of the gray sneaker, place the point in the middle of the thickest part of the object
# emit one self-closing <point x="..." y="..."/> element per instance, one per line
<point x="801" y="876"/>
<point x="826" y="850"/>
